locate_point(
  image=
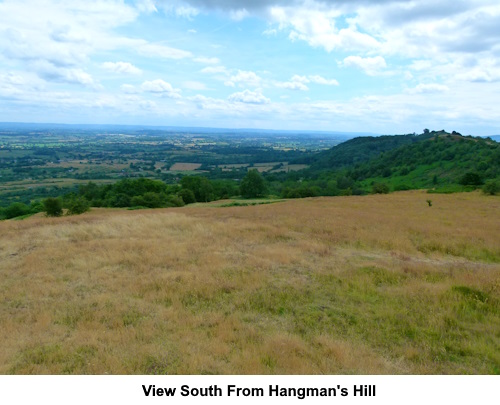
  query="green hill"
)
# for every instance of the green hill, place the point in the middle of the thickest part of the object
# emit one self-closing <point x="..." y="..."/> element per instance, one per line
<point x="436" y="160"/>
<point x="362" y="149"/>
<point x="441" y="161"/>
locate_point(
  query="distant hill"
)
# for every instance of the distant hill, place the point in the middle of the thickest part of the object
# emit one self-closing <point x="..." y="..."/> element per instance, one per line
<point x="442" y="159"/>
<point x="361" y="149"/>
<point x="435" y="159"/>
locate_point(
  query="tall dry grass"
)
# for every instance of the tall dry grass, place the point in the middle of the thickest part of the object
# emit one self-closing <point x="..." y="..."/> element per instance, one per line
<point x="375" y="284"/>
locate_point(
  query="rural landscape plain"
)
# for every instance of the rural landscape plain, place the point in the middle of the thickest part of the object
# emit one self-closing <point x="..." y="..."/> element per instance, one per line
<point x="205" y="187"/>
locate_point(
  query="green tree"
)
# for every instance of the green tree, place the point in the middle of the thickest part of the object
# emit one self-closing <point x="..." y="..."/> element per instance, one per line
<point x="187" y="196"/>
<point x="200" y="186"/>
<point x="16" y="209"/>
<point x="78" y="205"/>
<point x="471" y="179"/>
<point x="492" y="187"/>
<point x="53" y="207"/>
<point x="380" y="188"/>
<point x="253" y="185"/>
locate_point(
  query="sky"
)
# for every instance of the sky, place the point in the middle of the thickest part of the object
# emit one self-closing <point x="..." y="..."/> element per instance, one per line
<point x="381" y="66"/>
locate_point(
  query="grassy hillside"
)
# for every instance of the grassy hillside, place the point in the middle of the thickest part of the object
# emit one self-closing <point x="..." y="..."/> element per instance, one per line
<point x="367" y="285"/>
<point x="440" y="161"/>
<point x="361" y="149"/>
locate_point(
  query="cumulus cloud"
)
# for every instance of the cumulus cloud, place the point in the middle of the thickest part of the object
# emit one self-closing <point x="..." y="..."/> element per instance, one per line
<point x="194" y="85"/>
<point x="160" y="87"/>
<point x="122" y="67"/>
<point x="428" y="88"/>
<point x="129" y="89"/>
<point x="370" y="65"/>
<point x="244" y="78"/>
<point x="207" y="61"/>
<point x="295" y="83"/>
<point x="162" y="51"/>
<point x="214" y="70"/>
<point x="321" y="80"/>
<point x="50" y="72"/>
<point x="249" y="97"/>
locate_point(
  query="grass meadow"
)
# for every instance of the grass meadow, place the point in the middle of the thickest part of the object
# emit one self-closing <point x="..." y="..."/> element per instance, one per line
<point x="381" y="284"/>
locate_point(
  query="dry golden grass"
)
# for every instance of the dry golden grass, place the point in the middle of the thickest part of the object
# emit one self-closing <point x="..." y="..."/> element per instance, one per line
<point x="375" y="284"/>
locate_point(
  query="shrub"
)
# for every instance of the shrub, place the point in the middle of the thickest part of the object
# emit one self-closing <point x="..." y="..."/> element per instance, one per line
<point x="78" y="205"/>
<point x="16" y="209"/>
<point x="53" y="207"/>
<point x="187" y="196"/>
<point x="175" y="201"/>
<point x="492" y="187"/>
<point x="471" y="179"/>
<point x="380" y="188"/>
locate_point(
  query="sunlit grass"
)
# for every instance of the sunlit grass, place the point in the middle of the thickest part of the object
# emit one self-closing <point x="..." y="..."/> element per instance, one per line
<point x="367" y="285"/>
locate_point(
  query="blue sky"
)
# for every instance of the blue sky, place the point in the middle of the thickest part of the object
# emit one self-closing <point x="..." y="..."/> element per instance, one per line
<point x="382" y="66"/>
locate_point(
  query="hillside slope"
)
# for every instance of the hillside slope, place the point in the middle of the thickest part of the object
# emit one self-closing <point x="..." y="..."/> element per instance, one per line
<point x="361" y="149"/>
<point x="440" y="160"/>
<point x="365" y="285"/>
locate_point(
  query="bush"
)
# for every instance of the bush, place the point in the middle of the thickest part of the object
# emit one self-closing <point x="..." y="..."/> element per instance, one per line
<point x="471" y="179"/>
<point x="492" y="187"/>
<point x="78" y="205"/>
<point x="16" y="209"/>
<point x="53" y="207"/>
<point x="187" y="196"/>
<point x="380" y="188"/>
<point x="175" y="201"/>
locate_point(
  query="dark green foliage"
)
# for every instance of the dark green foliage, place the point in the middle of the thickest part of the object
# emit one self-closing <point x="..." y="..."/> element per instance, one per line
<point x="174" y="201"/>
<point x="78" y="205"/>
<point x="16" y="210"/>
<point x="200" y="186"/>
<point x="471" y="179"/>
<point x="362" y="149"/>
<point x="302" y="191"/>
<point x="187" y="196"/>
<point x="53" y="207"/>
<point x="491" y="187"/>
<point x="253" y="185"/>
<point x="380" y="188"/>
<point x="149" y="199"/>
<point x="437" y="159"/>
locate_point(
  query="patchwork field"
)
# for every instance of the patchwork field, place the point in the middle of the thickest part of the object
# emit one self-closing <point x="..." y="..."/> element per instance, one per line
<point x="364" y="285"/>
<point x="185" y="166"/>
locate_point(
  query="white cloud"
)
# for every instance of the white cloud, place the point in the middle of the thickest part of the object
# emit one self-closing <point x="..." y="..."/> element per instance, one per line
<point x="160" y="87"/>
<point x="317" y="26"/>
<point x="208" y="61"/>
<point x="161" y="51"/>
<point x="129" y="89"/>
<point x="214" y="70"/>
<point x="244" y="78"/>
<point x="428" y="88"/>
<point x="370" y="65"/>
<point x="296" y="83"/>
<point x="50" y="72"/>
<point x="238" y="15"/>
<point x="122" y="67"/>
<point x="321" y="80"/>
<point x="270" y="32"/>
<point x="194" y="85"/>
<point x="147" y="6"/>
<point x="249" y="97"/>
